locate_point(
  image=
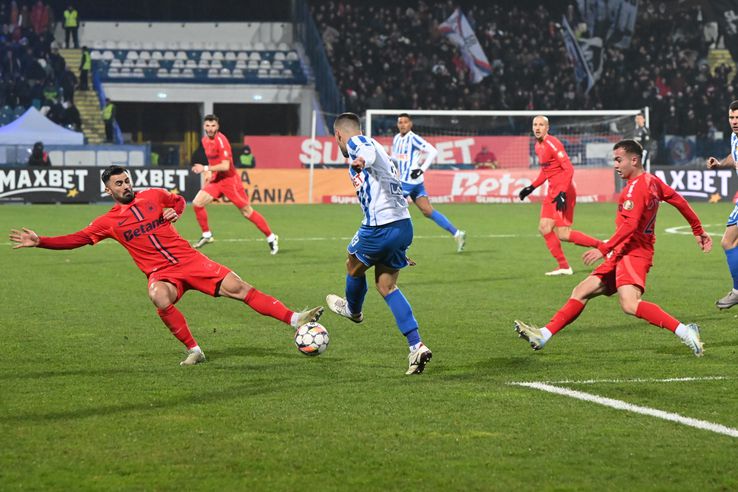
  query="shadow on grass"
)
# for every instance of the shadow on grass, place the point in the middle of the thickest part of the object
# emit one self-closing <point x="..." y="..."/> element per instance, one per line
<point x="194" y="398"/>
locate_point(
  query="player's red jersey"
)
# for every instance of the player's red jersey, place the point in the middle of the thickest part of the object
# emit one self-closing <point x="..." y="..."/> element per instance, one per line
<point x="218" y="149"/>
<point x="555" y="165"/>
<point x="636" y="217"/>
<point x="152" y="242"/>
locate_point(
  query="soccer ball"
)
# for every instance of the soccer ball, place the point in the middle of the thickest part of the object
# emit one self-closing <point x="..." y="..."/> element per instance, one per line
<point x="311" y="338"/>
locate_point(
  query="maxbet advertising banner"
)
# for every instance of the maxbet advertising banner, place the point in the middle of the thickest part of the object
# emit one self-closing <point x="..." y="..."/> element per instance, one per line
<point x="83" y="185"/>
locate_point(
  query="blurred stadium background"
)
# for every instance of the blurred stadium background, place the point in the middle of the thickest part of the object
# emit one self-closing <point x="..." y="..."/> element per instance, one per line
<point x="277" y="73"/>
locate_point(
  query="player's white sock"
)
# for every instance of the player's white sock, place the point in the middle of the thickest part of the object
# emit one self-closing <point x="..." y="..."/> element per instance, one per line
<point x="271" y="237"/>
<point x="196" y="348"/>
<point x="415" y="347"/>
<point x="681" y="330"/>
<point x="546" y="334"/>
<point x="735" y="291"/>
<point x="207" y="234"/>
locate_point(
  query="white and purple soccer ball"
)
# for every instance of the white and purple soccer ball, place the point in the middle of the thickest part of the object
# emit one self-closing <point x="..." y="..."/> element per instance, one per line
<point x="312" y="338"/>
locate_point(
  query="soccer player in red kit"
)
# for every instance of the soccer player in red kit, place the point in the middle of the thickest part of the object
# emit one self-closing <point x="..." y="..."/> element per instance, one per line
<point x="224" y="181"/>
<point x="142" y="223"/>
<point x="557" y="210"/>
<point x="628" y="255"/>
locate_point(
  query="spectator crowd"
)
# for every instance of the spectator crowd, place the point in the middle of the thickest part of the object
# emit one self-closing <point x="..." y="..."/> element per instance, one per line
<point x="32" y="72"/>
<point x="391" y="55"/>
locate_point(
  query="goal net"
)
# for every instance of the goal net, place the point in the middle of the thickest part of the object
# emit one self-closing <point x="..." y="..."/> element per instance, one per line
<point x="470" y="139"/>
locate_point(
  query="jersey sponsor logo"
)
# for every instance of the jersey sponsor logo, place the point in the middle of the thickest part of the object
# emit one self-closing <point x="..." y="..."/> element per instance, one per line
<point x="358" y="180"/>
<point x="628" y="205"/>
<point x="143" y="229"/>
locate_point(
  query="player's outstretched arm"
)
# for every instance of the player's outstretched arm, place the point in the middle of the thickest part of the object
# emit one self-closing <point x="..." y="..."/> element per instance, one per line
<point x="25" y="238"/>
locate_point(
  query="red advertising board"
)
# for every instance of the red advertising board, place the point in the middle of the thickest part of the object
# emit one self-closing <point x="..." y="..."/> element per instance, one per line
<point x="296" y="152"/>
<point x="487" y="186"/>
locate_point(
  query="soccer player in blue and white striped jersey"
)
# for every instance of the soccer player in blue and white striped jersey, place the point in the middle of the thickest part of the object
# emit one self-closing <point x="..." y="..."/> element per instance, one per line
<point x="382" y="240"/>
<point x="407" y="149"/>
<point x="729" y="241"/>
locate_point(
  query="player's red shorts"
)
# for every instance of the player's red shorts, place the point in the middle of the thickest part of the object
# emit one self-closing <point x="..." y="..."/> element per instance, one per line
<point x="625" y="270"/>
<point x="200" y="273"/>
<point x="231" y="187"/>
<point x="548" y="207"/>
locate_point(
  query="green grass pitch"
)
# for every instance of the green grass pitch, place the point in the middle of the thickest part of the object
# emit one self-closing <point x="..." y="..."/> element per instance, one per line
<point x="93" y="397"/>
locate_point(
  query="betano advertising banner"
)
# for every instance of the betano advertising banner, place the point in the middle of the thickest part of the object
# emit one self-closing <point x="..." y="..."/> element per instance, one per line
<point x="296" y="152"/>
<point x="487" y="186"/>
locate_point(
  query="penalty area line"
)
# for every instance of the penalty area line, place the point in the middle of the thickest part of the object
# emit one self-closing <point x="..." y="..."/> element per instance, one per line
<point x="629" y="407"/>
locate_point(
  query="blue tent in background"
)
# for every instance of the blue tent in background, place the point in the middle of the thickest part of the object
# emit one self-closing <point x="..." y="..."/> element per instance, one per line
<point x="33" y="127"/>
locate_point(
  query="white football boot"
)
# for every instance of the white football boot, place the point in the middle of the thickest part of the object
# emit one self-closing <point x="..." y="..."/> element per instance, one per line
<point x="530" y="333"/>
<point x="418" y="358"/>
<point x="339" y="305"/>
<point x="194" y="356"/>
<point x="693" y="341"/>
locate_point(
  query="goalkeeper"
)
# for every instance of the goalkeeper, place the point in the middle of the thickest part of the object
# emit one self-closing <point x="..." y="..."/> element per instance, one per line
<point x="557" y="210"/>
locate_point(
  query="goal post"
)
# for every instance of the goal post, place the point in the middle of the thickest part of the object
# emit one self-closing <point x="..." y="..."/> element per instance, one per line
<point x="462" y="136"/>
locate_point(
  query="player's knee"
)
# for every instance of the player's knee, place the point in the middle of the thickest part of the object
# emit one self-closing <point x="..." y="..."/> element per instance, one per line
<point x="385" y="290"/>
<point x="629" y="306"/>
<point x="544" y="229"/>
<point x="159" y="296"/>
<point x="247" y="211"/>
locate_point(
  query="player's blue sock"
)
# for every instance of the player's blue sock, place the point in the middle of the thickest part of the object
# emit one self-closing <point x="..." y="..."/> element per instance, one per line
<point x="732" y="256"/>
<point x="442" y="221"/>
<point x="355" y="292"/>
<point x="403" y="314"/>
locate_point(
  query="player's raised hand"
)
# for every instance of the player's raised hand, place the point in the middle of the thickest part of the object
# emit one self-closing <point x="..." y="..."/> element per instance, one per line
<point x="704" y="241"/>
<point x="198" y="168"/>
<point x="24" y="238"/>
<point x="592" y="255"/>
<point x="358" y="164"/>
<point x="713" y="162"/>
<point x="170" y="215"/>
<point x="560" y="201"/>
<point x="526" y="191"/>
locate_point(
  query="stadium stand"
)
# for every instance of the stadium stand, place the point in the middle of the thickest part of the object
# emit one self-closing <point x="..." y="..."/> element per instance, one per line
<point x="122" y="62"/>
<point x="32" y="68"/>
<point x="401" y="60"/>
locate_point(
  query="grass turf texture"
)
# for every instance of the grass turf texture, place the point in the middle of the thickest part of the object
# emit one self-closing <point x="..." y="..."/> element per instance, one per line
<point x="93" y="396"/>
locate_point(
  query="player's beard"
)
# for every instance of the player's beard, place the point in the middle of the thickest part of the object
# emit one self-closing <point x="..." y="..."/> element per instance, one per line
<point x="127" y="197"/>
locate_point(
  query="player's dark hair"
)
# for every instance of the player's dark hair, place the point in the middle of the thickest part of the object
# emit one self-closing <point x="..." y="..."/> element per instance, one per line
<point x="348" y="119"/>
<point x="111" y="171"/>
<point x="211" y="117"/>
<point x="404" y="115"/>
<point x="630" y="147"/>
<point x="733" y="106"/>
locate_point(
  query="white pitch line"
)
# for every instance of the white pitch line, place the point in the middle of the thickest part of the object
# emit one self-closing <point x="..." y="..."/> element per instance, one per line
<point x="629" y="407"/>
<point x="686" y="230"/>
<point x="636" y="380"/>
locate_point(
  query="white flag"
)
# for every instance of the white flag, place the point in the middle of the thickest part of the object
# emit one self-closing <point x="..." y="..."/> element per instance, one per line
<point x="458" y="30"/>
